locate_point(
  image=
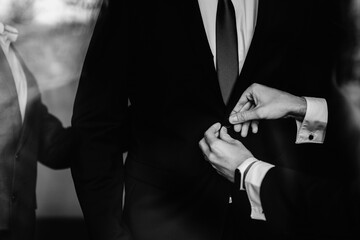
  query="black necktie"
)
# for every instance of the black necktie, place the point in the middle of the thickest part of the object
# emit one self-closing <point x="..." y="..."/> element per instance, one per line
<point x="226" y="47"/>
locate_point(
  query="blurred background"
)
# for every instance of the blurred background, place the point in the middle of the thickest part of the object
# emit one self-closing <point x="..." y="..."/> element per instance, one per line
<point x="53" y="39"/>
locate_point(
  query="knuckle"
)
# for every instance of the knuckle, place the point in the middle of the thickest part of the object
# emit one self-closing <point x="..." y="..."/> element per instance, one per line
<point x="206" y="135"/>
<point x="211" y="157"/>
<point x="237" y="119"/>
<point x="242" y="116"/>
<point x="214" y="146"/>
<point x="254" y="85"/>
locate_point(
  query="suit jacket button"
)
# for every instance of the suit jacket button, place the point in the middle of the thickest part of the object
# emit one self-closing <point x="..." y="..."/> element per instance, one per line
<point x="17" y="156"/>
<point x="311" y="137"/>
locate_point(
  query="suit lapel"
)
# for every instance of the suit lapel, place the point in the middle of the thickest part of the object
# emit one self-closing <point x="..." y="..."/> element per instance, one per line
<point x="197" y="32"/>
<point x="32" y="94"/>
<point x="202" y="48"/>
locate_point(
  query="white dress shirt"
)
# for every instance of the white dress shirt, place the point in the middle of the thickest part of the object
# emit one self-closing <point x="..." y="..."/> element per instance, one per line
<point x="311" y="130"/>
<point x="7" y="35"/>
<point x="246" y="15"/>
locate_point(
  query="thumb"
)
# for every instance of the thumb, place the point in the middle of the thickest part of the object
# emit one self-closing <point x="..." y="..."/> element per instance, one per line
<point x="245" y="116"/>
<point x="211" y="135"/>
<point x="225" y="136"/>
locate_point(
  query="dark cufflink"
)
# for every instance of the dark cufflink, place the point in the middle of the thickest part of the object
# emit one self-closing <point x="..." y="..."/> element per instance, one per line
<point x="311" y="137"/>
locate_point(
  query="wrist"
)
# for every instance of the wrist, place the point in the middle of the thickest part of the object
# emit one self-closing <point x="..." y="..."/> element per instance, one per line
<point x="298" y="108"/>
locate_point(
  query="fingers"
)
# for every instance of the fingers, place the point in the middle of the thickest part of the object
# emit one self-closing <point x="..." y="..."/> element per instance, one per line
<point x="245" y="129"/>
<point x="236" y="117"/>
<point x="255" y="126"/>
<point x="237" y="127"/>
<point x="245" y="126"/>
<point x="204" y="148"/>
<point x="246" y="107"/>
<point x="211" y="135"/>
<point x="225" y="136"/>
<point x="246" y="97"/>
<point x="245" y="116"/>
<point x="211" y="140"/>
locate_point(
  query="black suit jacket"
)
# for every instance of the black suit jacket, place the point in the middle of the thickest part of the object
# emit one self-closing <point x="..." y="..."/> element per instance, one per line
<point x="154" y="56"/>
<point x="325" y="205"/>
<point x="310" y="207"/>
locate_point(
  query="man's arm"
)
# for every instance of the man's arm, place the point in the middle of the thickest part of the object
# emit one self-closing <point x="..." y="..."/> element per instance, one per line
<point x="261" y="102"/>
<point x="57" y="145"/>
<point x="331" y="206"/>
<point x="290" y="201"/>
<point x="100" y="121"/>
<point x="256" y="103"/>
<point x="297" y="203"/>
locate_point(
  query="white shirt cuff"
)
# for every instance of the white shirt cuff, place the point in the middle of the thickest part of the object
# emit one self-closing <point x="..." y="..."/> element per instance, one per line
<point x="313" y="128"/>
<point x="253" y="180"/>
<point x="242" y="169"/>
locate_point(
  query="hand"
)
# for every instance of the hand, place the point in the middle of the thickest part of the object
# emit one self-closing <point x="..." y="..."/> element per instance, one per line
<point x="223" y="152"/>
<point x="261" y="102"/>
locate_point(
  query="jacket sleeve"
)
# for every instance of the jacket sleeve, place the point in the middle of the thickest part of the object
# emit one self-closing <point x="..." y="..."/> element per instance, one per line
<point x="57" y="145"/>
<point x="100" y="120"/>
<point x="325" y="206"/>
<point x="295" y="203"/>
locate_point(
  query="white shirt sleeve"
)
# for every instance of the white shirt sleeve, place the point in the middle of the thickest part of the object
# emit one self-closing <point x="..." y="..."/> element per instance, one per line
<point x="313" y="128"/>
<point x="253" y="180"/>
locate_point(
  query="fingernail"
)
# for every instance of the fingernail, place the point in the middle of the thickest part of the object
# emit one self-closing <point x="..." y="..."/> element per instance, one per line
<point x="225" y="131"/>
<point x="233" y="118"/>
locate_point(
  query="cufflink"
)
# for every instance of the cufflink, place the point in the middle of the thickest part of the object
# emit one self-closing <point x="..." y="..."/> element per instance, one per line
<point x="311" y="137"/>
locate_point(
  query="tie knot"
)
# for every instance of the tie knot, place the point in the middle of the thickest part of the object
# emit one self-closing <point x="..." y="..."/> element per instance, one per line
<point x="8" y="32"/>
